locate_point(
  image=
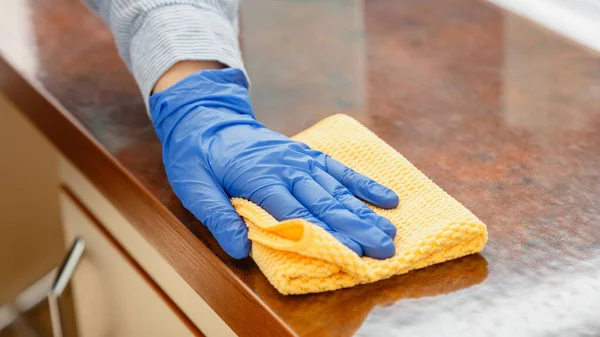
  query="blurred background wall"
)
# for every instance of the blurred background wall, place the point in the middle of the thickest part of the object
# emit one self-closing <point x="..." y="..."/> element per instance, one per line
<point x="578" y="20"/>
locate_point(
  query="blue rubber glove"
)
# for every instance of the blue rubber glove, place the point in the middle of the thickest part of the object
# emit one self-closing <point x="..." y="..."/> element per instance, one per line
<point x="214" y="149"/>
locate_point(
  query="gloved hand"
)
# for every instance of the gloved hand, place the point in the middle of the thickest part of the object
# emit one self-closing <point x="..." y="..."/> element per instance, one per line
<point x="214" y="149"/>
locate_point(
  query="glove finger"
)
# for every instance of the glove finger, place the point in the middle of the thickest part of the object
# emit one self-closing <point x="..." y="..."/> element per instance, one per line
<point x="282" y="205"/>
<point x="361" y="186"/>
<point x="354" y="205"/>
<point x="374" y="242"/>
<point x="346" y="241"/>
<point x="202" y="196"/>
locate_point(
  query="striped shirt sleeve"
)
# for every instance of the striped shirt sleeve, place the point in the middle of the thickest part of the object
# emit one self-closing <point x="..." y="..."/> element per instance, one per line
<point x="152" y="35"/>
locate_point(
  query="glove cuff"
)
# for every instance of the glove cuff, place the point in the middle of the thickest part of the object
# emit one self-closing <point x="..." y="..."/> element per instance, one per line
<point x="208" y="95"/>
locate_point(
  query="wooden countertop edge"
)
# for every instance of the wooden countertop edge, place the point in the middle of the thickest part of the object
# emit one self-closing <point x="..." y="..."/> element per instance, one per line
<point x="229" y="297"/>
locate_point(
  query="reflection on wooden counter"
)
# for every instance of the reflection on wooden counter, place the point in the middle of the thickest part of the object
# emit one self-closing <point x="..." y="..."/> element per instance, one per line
<point x="341" y="313"/>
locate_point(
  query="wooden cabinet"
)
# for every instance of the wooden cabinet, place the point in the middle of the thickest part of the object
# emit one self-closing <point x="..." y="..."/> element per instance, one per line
<point x="113" y="296"/>
<point x="30" y="239"/>
<point x="123" y="287"/>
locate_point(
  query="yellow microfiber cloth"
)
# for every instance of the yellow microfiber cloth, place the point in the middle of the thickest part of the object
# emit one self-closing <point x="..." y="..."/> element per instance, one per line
<point x="298" y="257"/>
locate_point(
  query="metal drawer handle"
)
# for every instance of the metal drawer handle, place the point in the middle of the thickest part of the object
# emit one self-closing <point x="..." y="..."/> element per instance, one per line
<point x="63" y="277"/>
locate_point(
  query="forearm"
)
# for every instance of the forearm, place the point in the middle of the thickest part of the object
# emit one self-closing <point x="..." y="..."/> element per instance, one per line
<point x="181" y="70"/>
<point x="154" y="35"/>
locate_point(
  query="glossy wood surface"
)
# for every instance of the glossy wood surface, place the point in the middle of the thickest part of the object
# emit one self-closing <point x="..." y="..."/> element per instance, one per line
<point x="499" y="112"/>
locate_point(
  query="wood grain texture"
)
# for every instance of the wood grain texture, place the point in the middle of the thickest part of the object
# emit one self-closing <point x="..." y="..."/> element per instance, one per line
<point x="499" y="112"/>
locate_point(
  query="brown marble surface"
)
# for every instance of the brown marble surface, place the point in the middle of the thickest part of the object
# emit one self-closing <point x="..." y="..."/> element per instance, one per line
<point x="502" y="114"/>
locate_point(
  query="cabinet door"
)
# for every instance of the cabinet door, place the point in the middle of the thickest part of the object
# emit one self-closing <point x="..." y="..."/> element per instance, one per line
<point x="30" y="238"/>
<point x="113" y="296"/>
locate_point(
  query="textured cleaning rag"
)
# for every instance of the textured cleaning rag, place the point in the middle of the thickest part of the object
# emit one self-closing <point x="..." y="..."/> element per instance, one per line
<point x="298" y="257"/>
